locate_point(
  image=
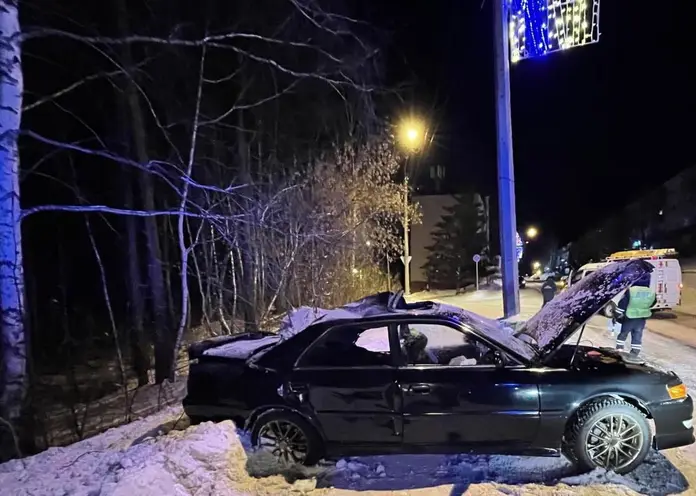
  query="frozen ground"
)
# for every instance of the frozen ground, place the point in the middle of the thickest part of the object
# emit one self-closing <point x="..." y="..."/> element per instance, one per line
<point x="161" y="455"/>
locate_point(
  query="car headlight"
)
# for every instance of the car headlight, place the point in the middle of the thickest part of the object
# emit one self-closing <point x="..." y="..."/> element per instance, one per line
<point x="677" y="392"/>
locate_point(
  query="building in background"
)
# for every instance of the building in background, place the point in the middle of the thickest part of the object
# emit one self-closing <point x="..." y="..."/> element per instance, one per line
<point x="665" y="217"/>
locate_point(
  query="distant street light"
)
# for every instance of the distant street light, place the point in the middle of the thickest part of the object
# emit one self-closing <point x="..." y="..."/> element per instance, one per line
<point x="536" y="265"/>
<point x="532" y="232"/>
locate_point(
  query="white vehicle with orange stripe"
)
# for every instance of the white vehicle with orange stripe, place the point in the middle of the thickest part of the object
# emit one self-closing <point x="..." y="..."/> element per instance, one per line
<point x="666" y="279"/>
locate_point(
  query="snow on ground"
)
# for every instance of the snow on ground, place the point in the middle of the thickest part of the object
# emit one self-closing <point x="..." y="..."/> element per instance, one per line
<point x="162" y="455"/>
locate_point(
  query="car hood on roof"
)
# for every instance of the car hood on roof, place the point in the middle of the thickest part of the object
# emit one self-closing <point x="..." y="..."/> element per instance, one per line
<point x="567" y="312"/>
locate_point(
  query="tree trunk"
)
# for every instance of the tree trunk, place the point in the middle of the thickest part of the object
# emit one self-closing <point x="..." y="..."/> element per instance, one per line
<point x="163" y="334"/>
<point x="14" y="378"/>
<point x="246" y="258"/>
<point x="139" y="357"/>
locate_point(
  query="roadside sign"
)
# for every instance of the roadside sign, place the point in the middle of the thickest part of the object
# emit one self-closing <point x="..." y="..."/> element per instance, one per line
<point x="477" y="259"/>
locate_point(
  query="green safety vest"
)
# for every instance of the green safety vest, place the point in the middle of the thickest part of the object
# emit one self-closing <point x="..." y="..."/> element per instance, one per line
<point x="640" y="300"/>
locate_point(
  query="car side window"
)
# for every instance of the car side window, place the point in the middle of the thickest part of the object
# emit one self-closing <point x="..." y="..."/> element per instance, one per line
<point x="349" y="346"/>
<point x="437" y="344"/>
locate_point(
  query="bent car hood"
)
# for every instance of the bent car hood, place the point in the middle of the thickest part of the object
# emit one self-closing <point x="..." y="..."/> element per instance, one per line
<point x="567" y="312"/>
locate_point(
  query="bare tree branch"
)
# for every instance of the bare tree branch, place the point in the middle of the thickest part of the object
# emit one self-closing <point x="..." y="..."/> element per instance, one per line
<point x="75" y="85"/>
<point x="122" y="211"/>
<point x="138" y="39"/>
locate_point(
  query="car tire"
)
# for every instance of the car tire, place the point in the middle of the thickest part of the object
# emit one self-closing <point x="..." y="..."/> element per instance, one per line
<point x="273" y="422"/>
<point x="588" y="434"/>
<point x="609" y="310"/>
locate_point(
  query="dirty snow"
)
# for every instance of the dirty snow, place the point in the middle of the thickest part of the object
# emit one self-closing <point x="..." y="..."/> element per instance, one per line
<point x="160" y="455"/>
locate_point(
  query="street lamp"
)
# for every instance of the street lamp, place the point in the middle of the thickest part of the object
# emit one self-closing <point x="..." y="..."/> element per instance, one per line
<point x="536" y="265"/>
<point x="412" y="134"/>
<point x="412" y="137"/>
<point x="532" y="232"/>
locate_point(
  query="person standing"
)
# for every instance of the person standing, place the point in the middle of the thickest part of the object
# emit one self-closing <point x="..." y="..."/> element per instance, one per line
<point x="548" y="289"/>
<point x="634" y="309"/>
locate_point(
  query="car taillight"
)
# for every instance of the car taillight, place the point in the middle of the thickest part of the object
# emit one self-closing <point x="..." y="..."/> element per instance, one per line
<point x="677" y="392"/>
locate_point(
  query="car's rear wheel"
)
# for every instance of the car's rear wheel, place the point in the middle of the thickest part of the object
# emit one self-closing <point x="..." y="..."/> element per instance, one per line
<point x="289" y="437"/>
<point x="608" y="433"/>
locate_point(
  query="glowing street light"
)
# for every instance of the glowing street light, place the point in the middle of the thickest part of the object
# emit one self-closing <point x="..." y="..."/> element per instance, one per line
<point x="532" y="232"/>
<point x="412" y="134"/>
<point x="536" y="265"/>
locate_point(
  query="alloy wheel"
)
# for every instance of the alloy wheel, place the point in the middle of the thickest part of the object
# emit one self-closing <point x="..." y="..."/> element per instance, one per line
<point x="285" y="440"/>
<point x="614" y="441"/>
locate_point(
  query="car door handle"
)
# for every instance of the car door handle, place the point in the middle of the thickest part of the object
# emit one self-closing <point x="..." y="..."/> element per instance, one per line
<point x="419" y="389"/>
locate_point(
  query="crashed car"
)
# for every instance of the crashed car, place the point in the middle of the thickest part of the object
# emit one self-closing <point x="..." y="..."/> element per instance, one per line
<point x="382" y="376"/>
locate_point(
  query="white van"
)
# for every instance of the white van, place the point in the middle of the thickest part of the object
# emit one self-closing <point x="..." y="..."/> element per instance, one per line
<point x="665" y="280"/>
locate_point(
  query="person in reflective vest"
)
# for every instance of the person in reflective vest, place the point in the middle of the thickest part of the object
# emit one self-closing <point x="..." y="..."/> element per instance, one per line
<point x="633" y="310"/>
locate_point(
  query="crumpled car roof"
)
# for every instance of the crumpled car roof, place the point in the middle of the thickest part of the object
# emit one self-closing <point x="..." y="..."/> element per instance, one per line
<point x="303" y="317"/>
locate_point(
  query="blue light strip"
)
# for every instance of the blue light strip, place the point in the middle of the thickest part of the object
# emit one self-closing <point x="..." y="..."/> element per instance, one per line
<point x="538" y="27"/>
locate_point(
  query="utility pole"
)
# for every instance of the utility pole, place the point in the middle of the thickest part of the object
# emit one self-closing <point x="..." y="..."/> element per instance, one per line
<point x="506" y="174"/>
<point x="406" y="258"/>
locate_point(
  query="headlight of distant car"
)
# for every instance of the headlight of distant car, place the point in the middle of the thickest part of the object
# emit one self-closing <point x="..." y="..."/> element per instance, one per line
<point x="677" y="392"/>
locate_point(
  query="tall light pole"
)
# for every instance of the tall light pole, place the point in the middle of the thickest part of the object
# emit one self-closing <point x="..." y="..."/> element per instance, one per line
<point x="407" y="256"/>
<point x="506" y="174"/>
<point x="412" y="137"/>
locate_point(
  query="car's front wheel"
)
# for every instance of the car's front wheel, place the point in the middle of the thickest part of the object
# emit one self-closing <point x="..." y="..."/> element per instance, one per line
<point x="289" y="437"/>
<point x="608" y="433"/>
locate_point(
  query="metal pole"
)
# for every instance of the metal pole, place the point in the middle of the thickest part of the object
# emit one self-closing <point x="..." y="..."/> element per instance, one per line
<point x="506" y="175"/>
<point x="407" y="269"/>
<point x="477" y="277"/>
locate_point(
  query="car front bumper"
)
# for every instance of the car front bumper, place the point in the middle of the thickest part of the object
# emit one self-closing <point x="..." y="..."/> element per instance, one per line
<point x="674" y="425"/>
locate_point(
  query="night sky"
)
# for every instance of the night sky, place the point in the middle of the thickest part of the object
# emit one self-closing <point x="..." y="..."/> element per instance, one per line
<point x="593" y="127"/>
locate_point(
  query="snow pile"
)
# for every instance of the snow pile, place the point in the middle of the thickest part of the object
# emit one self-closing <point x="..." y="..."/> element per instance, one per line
<point x="135" y="459"/>
<point x="146" y="457"/>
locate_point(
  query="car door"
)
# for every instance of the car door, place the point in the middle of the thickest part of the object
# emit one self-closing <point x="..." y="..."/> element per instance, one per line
<point x="352" y="392"/>
<point x="465" y="403"/>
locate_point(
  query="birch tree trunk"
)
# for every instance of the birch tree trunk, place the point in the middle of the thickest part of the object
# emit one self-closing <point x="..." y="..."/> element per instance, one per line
<point x="14" y="380"/>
